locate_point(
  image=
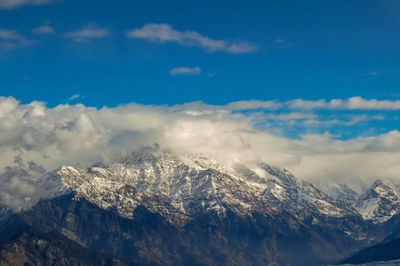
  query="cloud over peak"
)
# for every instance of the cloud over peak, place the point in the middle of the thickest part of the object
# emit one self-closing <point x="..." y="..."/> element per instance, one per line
<point x="163" y="33"/>
<point x="35" y="138"/>
<point x="80" y="135"/>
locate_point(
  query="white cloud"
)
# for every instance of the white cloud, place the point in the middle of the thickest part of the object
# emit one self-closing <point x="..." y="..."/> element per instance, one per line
<point x="163" y="33"/>
<point x="185" y="71"/>
<point x="45" y="29"/>
<point x="87" y="32"/>
<point x="12" y="4"/>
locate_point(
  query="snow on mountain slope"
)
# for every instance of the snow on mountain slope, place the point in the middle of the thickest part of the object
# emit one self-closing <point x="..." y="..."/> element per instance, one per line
<point x="345" y="193"/>
<point x="181" y="185"/>
<point x="290" y="193"/>
<point x="379" y="203"/>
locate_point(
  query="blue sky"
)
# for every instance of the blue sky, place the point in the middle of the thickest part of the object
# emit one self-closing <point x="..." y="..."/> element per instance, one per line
<point x="305" y="49"/>
<point x="103" y="53"/>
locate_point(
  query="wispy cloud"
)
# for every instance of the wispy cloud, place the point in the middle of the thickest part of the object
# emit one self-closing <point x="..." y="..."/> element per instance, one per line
<point x="290" y="116"/>
<point x="185" y="71"/>
<point x="346" y="121"/>
<point x="163" y="33"/>
<point x="74" y="97"/>
<point x="10" y="39"/>
<point x="13" y="4"/>
<point x="353" y="103"/>
<point x="87" y="32"/>
<point x="44" y="30"/>
<point x="253" y="104"/>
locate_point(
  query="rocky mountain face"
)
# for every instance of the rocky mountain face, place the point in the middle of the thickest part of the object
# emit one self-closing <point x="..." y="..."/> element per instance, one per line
<point x="385" y="251"/>
<point x="5" y="213"/>
<point x="30" y="248"/>
<point x="148" y="239"/>
<point x="156" y="206"/>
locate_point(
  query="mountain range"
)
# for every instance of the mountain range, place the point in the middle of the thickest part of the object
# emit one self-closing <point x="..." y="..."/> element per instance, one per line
<point x="157" y="206"/>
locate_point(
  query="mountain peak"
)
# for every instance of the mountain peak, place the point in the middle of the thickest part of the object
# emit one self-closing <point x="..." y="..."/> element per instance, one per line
<point x="382" y="189"/>
<point x="380" y="202"/>
<point x="383" y="183"/>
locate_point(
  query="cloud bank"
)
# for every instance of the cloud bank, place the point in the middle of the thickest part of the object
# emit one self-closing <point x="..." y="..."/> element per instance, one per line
<point x="36" y="139"/>
<point x="164" y="33"/>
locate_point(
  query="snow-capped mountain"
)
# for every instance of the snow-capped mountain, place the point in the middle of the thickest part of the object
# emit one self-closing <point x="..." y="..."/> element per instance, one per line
<point x="249" y="212"/>
<point x="181" y="185"/>
<point x="379" y="203"/>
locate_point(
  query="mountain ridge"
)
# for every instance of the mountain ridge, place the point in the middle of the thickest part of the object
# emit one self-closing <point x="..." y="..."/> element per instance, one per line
<point x="248" y="205"/>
